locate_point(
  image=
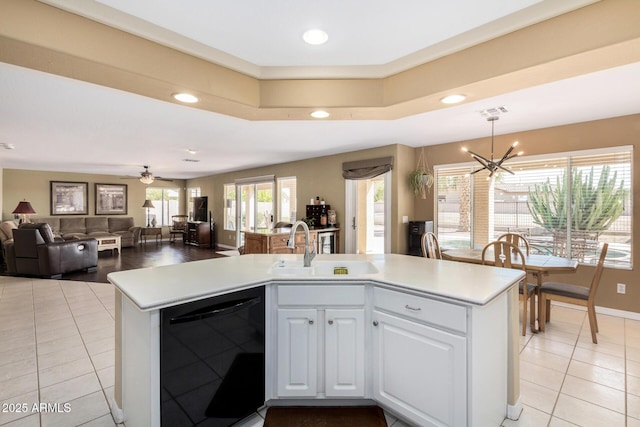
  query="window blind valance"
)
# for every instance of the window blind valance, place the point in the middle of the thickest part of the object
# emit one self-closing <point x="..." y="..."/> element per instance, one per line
<point x="366" y="169"/>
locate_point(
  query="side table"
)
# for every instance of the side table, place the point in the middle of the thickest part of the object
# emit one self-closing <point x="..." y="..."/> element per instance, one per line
<point x="151" y="231"/>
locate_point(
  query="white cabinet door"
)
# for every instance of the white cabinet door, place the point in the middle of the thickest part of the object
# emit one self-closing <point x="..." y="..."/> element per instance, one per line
<point x="344" y="352"/>
<point x="419" y="371"/>
<point x="297" y="352"/>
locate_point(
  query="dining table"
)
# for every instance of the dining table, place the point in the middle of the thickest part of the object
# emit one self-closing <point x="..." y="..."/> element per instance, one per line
<point x="539" y="265"/>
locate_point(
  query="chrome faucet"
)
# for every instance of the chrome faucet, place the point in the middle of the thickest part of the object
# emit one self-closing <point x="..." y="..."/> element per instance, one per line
<point x="291" y="243"/>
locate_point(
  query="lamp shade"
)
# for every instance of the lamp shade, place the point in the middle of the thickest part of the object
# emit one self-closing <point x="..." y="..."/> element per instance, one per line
<point x="24" y="208"/>
<point x="148" y="204"/>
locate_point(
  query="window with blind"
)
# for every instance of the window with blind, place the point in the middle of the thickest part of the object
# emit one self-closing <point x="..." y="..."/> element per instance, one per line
<point x="566" y="204"/>
<point x="166" y="202"/>
<point x="454" y="206"/>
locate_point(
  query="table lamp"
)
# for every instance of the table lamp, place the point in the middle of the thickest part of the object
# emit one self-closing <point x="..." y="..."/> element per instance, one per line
<point x="148" y="204"/>
<point x="24" y="208"/>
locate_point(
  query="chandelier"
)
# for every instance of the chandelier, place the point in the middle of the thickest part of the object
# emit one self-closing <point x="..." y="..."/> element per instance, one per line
<point x="490" y="164"/>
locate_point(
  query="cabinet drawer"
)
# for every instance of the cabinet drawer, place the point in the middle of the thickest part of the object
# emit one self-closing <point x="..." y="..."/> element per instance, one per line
<point x="317" y="295"/>
<point x="278" y="242"/>
<point x="436" y="312"/>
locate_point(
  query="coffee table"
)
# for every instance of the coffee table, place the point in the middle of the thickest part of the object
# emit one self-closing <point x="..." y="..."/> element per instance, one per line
<point x="111" y="243"/>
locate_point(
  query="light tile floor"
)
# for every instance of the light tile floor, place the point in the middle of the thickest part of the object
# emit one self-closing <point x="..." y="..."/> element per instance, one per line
<point x="57" y="347"/>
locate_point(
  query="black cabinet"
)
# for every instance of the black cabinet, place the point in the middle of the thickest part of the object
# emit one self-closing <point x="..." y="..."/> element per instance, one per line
<point x="314" y="211"/>
<point x="416" y="229"/>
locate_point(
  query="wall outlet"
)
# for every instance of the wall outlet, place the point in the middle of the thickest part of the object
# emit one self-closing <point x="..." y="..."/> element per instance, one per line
<point x="622" y="288"/>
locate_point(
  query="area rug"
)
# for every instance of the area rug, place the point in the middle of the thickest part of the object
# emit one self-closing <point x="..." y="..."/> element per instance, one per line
<point x="325" y="416"/>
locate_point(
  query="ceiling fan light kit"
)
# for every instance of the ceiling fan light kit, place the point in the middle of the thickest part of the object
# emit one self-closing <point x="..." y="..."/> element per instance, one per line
<point x="491" y="164"/>
<point x="146" y="177"/>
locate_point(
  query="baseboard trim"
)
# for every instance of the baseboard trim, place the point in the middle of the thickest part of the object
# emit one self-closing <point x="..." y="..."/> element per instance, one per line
<point x="116" y="412"/>
<point x="602" y="310"/>
<point x="220" y="245"/>
<point x="514" y="411"/>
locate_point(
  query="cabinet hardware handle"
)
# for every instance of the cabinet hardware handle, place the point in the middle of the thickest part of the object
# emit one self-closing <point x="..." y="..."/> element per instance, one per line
<point x="331" y="322"/>
<point x="375" y="323"/>
<point x="408" y="307"/>
<point x="311" y="321"/>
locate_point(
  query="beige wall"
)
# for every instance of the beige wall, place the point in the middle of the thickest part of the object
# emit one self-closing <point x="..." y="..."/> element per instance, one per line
<point x="581" y="136"/>
<point x="322" y="176"/>
<point x="34" y="186"/>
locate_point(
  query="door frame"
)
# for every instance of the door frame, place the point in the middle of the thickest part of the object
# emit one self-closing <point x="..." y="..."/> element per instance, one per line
<point x="351" y="211"/>
<point x="255" y="181"/>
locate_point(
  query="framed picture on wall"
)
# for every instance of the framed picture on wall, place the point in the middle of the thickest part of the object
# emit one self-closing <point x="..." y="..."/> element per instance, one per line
<point x="111" y="199"/>
<point x="69" y="198"/>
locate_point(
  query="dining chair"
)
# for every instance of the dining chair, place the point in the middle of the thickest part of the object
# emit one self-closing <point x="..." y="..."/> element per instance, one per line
<point x="430" y="246"/>
<point x="574" y="294"/>
<point x="503" y="256"/>
<point x="517" y="239"/>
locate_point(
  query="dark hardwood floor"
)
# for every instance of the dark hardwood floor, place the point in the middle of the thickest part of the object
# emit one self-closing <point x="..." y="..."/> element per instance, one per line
<point x="139" y="256"/>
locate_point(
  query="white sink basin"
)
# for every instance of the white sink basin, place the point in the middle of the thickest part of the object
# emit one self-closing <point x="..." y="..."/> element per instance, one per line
<point x="323" y="268"/>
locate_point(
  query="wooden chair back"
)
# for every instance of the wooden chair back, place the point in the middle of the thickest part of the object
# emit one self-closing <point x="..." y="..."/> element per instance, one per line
<point x="430" y="246"/>
<point x="504" y="255"/>
<point x="178" y="222"/>
<point x="516" y="239"/>
<point x="595" y="282"/>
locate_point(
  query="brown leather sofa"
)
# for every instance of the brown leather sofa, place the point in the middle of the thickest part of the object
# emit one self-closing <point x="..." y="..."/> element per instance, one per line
<point x="78" y="227"/>
<point x="35" y="252"/>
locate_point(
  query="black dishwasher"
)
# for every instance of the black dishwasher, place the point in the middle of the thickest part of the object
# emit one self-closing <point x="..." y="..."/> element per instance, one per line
<point x="212" y="360"/>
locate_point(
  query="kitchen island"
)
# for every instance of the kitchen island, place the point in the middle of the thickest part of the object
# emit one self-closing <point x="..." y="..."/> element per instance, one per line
<point x="435" y="342"/>
<point x="274" y="241"/>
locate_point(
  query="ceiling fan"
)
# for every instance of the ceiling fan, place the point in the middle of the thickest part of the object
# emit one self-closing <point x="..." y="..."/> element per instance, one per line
<point x="146" y="177"/>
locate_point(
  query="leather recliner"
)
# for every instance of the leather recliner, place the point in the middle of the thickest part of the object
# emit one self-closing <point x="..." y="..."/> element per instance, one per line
<point x="34" y="252"/>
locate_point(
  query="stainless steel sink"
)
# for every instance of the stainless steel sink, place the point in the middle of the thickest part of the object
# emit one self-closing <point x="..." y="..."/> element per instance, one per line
<point x="323" y="268"/>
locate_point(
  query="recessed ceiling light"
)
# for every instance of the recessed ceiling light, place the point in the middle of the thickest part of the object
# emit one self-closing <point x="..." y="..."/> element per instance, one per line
<point x="191" y="151"/>
<point x="319" y="114"/>
<point x="453" y="99"/>
<point x="315" y="37"/>
<point x="185" y="97"/>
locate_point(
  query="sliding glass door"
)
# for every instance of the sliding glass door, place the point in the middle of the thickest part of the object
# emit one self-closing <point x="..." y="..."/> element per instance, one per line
<point x="255" y="201"/>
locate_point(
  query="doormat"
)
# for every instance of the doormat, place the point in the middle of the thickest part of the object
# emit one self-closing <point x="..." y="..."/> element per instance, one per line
<point x="325" y="416"/>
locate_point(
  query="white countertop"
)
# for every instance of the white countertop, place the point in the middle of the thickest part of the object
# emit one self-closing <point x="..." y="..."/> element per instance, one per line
<point x="158" y="287"/>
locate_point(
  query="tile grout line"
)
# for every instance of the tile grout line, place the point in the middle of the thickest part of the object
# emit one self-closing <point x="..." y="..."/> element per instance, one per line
<point x="35" y="336"/>
<point x="104" y="393"/>
<point x="564" y="377"/>
<point x="102" y="388"/>
<point x="84" y="344"/>
<point x="626" y="391"/>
